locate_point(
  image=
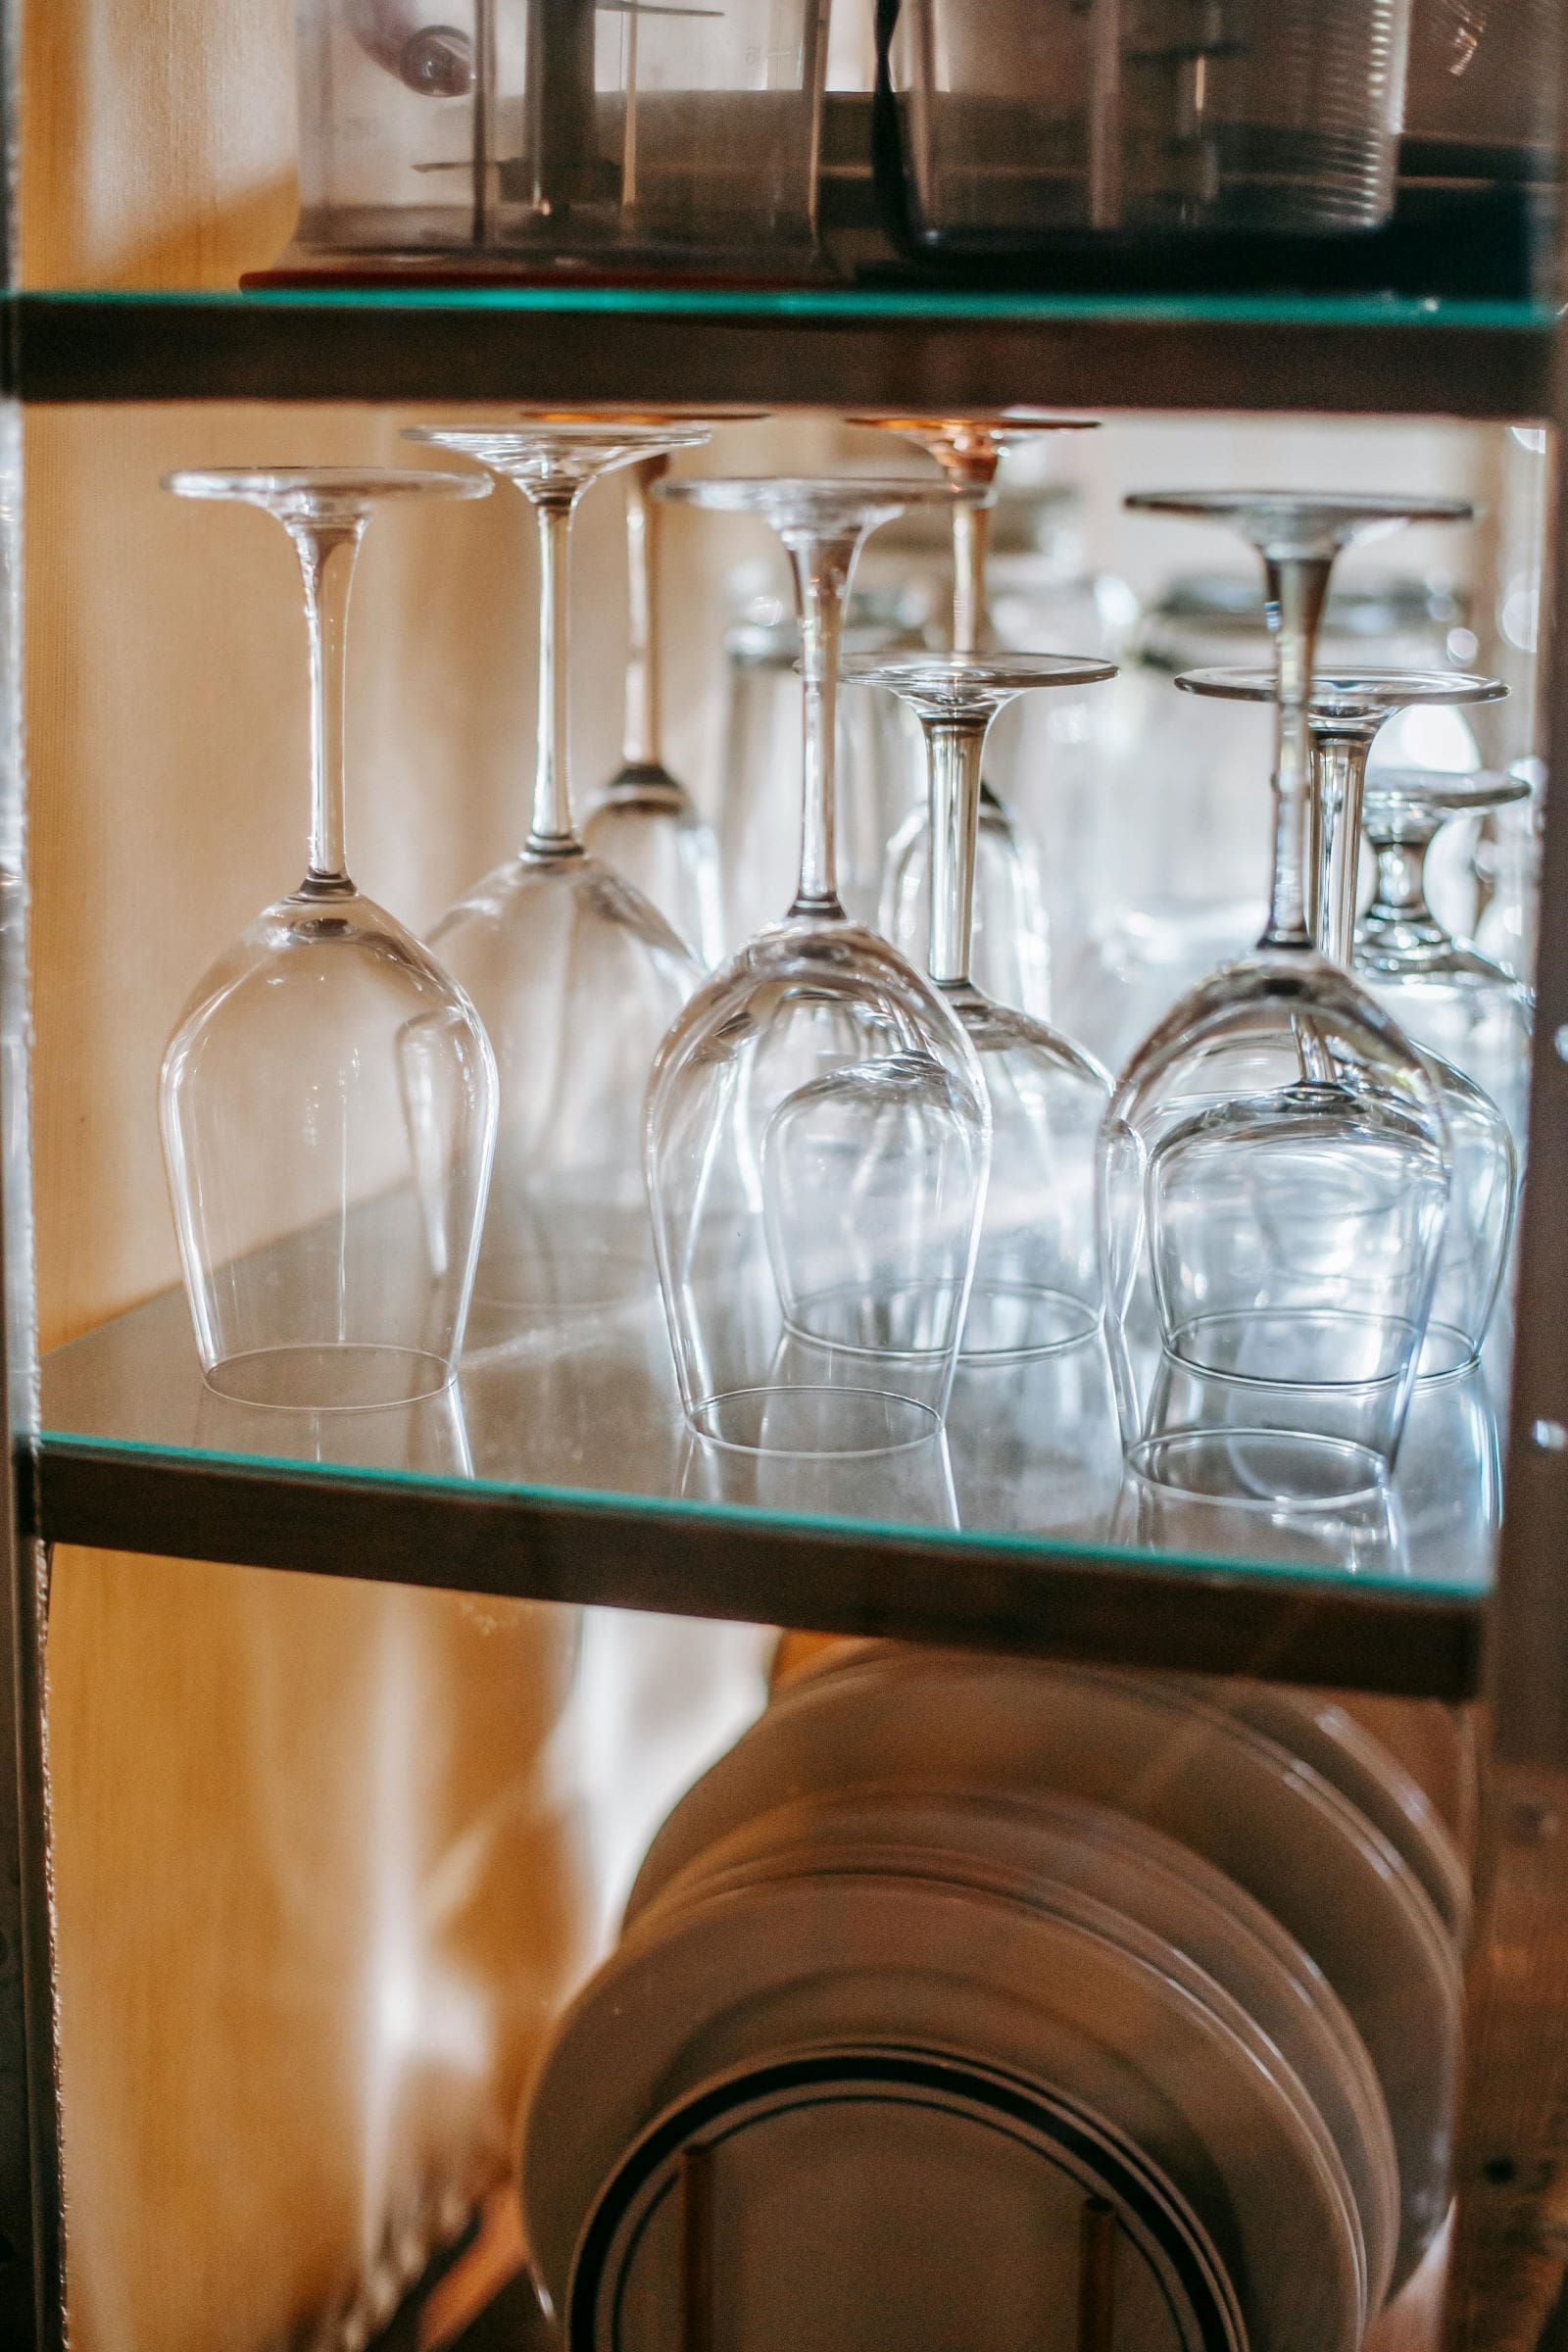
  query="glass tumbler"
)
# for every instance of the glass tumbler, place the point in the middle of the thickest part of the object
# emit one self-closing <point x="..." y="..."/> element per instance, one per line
<point x="559" y="134"/>
<point x="1009" y="120"/>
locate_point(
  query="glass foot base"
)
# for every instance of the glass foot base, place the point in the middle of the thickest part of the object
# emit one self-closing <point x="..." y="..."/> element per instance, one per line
<point x="814" y="1421"/>
<point x="1011" y="1322"/>
<point x="344" y="1376"/>
<point x="1263" y="1469"/>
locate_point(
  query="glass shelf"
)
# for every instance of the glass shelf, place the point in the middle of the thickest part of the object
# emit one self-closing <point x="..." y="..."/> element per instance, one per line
<point x="561" y="1468"/>
<point x="828" y="346"/>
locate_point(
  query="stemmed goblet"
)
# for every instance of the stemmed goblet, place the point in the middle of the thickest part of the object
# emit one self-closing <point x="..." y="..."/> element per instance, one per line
<point x="647" y="825"/>
<point x="1348" y="710"/>
<point x="1273" y="1170"/>
<point x="1012" y="953"/>
<point x="328" y="1098"/>
<point x="1035" y="1281"/>
<point x="1452" y="998"/>
<point x="575" y="975"/>
<point x="817" y="1129"/>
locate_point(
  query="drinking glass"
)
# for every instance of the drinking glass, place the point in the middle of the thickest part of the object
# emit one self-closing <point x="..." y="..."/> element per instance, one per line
<point x="818" y="1132"/>
<point x="877" y="755"/>
<point x="1273" y="1166"/>
<point x="328" y="1098"/>
<point x="1035" y="1281"/>
<point x="1348" y="710"/>
<point x="575" y="975"/>
<point x="647" y="826"/>
<point x="1453" y="999"/>
<point x="1012" y="950"/>
<point x="1170" y="835"/>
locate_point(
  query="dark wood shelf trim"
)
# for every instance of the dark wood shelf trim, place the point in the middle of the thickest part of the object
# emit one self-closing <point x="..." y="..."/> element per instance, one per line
<point x="88" y="350"/>
<point x="1199" y="1617"/>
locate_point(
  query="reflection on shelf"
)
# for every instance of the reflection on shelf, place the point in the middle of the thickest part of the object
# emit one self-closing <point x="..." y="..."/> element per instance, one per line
<point x="586" y="1406"/>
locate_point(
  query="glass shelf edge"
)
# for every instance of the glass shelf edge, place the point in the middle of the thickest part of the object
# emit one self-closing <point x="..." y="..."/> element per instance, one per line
<point x="915" y="305"/>
<point x="1174" y="1568"/>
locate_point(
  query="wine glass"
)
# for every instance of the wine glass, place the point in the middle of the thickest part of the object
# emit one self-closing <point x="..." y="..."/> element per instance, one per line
<point x="647" y="826"/>
<point x="877" y="757"/>
<point x="818" y="1132"/>
<point x="1453" y="999"/>
<point x="1273" y="1171"/>
<point x="1037" y="1282"/>
<point x="575" y="975"/>
<point x="1012" y="950"/>
<point x="1348" y="710"/>
<point x="327" y="1101"/>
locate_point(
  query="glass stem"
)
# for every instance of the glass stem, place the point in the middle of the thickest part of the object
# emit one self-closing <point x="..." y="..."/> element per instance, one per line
<point x="971" y="533"/>
<point x="1297" y="586"/>
<point x="1399" y="898"/>
<point x="954" y="748"/>
<point x="1340" y="767"/>
<point x="551" y="833"/>
<point x="824" y="565"/>
<point x="327" y="552"/>
<point x="640" y="742"/>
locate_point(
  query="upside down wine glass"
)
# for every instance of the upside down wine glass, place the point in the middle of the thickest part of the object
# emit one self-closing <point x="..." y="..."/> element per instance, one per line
<point x="1011" y="948"/>
<point x="817" y="1133"/>
<point x="1349" y="707"/>
<point x="647" y="826"/>
<point x="1273" y="1172"/>
<point x="575" y="975"/>
<point x="1450" y="996"/>
<point x="328" y="1098"/>
<point x="1035" y="1281"/>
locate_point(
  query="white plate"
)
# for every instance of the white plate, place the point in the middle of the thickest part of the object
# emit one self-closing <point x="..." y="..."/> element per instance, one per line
<point x="865" y="2195"/>
<point x="742" y="1975"/>
<point x="925" y="1719"/>
<point x="1376" y="1782"/>
<point x="1435" y="1743"/>
<point x="1148" y="1879"/>
<point x="1038" y="1888"/>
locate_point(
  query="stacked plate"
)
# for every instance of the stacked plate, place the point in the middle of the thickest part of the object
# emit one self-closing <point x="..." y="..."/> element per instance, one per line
<point x="1071" y="2007"/>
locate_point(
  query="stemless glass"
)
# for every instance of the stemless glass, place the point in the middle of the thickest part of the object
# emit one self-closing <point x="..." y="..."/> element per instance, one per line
<point x="1348" y="709"/>
<point x="328" y="1098"/>
<point x="1453" y="999"/>
<point x="817" y="1131"/>
<point x="1273" y="1166"/>
<point x="1012" y="950"/>
<point x="1037" y="1281"/>
<point x="647" y="826"/>
<point x="575" y="974"/>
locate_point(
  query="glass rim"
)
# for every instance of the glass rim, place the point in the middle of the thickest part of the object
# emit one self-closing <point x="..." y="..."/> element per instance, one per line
<point x="1323" y="508"/>
<point x="1000" y="673"/>
<point x="1449" y="791"/>
<point x="994" y="423"/>
<point x="577" y="433"/>
<point x="844" y="497"/>
<point x="1379" y="690"/>
<point x="270" y="485"/>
